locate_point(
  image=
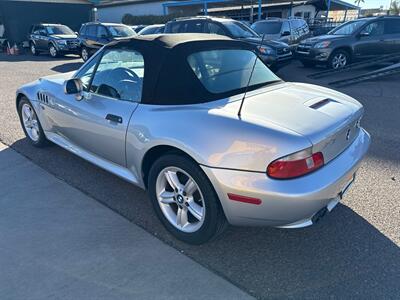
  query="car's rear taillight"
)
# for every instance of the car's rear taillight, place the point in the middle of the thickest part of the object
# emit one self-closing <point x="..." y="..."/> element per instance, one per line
<point x="295" y="165"/>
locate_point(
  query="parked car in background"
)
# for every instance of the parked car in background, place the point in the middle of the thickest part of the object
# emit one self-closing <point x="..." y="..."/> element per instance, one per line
<point x="353" y="41"/>
<point x="55" y="39"/>
<point x="137" y="28"/>
<point x="265" y="153"/>
<point x="94" y="35"/>
<point x="289" y="31"/>
<point x="152" y="29"/>
<point x="274" y="53"/>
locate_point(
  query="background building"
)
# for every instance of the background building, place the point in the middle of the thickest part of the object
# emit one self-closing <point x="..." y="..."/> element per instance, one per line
<point x="113" y="11"/>
<point x="17" y="16"/>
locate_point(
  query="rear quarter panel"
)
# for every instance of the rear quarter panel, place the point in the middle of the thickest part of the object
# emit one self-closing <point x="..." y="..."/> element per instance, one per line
<point x="214" y="137"/>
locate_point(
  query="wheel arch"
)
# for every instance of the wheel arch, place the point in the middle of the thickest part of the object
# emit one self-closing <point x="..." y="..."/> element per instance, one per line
<point x="19" y="97"/>
<point x="348" y="49"/>
<point x="154" y="153"/>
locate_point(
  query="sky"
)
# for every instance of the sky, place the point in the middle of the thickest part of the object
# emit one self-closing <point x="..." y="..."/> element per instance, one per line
<point x="373" y="3"/>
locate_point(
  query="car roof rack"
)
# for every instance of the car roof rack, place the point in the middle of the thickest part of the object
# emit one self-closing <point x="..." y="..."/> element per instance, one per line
<point x="201" y="17"/>
<point x="354" y="66"/>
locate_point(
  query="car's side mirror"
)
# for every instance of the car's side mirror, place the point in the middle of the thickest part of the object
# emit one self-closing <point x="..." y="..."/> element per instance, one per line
<point x="74" y="86"/>
<point x="285" y="33"/>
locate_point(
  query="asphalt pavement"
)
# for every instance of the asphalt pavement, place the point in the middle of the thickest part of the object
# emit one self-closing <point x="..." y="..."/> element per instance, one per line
<point x="351" y="253"/>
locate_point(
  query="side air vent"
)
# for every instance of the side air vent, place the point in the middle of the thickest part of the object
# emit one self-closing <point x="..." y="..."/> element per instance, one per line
<point x="320" y="103"/>
<point x="43" y="98"/>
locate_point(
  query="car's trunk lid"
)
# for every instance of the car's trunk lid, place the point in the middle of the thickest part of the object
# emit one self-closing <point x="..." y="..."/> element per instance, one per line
<point x="328" y="120"/>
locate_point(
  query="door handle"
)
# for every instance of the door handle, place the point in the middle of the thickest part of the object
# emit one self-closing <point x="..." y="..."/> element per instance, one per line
<point x="114" y="118"/>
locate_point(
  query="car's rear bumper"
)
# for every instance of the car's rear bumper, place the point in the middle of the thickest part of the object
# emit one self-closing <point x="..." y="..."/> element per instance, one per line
<point x="288" y="203"/>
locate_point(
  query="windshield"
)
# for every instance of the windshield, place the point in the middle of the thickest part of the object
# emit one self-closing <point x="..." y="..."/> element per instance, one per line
<point x="121" y="31"/>
<point x="348" y="28"/>
<point x="267" y="27"/>
<point x="239" y="30"/>
<point x="222" y="71"/>
<point x="59" y="29"/>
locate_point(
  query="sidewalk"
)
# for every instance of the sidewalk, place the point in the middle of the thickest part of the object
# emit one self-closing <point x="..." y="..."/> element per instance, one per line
<point x="58" y="243"/>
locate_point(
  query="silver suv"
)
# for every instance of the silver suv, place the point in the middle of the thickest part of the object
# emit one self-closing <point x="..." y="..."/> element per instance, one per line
<point x="289" y="31"/>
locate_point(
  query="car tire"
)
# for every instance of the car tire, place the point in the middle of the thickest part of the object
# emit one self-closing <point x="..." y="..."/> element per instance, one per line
<point x="30" y="124"/>
<point x="33" y="49"/>
<point x="308" y="64"/>
<point x="202" y="217"/>
<point x="339" y="59"/>
<point x="85" y="54"/>
<point x="53" y="51"/>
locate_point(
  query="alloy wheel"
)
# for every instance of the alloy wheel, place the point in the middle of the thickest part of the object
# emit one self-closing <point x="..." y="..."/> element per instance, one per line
<point x="53" y="51"/>
<point x="31" y="124"/>
<point x="180" y="199"/>
<point x="339" y="61"/>
<point x="33" y="49"/>
<point x="85" y="54"/>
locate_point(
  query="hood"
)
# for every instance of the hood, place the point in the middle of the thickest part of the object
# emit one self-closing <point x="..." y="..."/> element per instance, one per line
<point x="64" y="36"/>
<point x="270" y="43"/>
<point x="57" y="78"/>
<point x="325" y="37"/>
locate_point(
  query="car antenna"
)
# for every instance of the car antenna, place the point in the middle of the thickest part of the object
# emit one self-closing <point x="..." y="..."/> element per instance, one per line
<point x="251" y="75"/>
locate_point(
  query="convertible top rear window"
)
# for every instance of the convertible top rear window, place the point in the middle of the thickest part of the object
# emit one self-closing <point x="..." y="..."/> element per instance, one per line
<point x="222" y="71"/>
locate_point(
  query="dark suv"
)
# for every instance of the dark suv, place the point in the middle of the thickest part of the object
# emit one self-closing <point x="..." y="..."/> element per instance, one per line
<point x="56" y="39"/>
<point x="274" y="53"/>
<point x="95" y="35"/>
<point x="290" y="31"/>
<point x="355" y="40"/>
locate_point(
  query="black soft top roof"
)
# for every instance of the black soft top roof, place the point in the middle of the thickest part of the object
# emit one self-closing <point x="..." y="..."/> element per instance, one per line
<point x="168" y="78"/>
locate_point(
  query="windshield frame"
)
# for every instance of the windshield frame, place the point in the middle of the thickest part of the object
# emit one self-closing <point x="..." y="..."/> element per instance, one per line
<point x="110" y="27"/>
<point x="362" y="23"/>
<point x="69" y="30"/>
<point x="261" y="23"/>
<point x="227" y="24"/>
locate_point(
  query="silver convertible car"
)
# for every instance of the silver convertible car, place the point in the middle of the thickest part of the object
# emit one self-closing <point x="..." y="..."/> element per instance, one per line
<point x="201" y="123"/>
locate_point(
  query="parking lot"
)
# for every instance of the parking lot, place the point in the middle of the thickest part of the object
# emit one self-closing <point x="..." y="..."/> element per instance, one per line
<point x="352" y="253"/>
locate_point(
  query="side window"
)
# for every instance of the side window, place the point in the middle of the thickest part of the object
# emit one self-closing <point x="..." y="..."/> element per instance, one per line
<point x="85" y="74"/>
<point x="101" y="32"/>
<point x="374" y="29"/>
<point x="306" y="30"/>
<point x="285" y="27"/>
<point x="214" y="28"/>
<point x="119" y="75"/>
<point x="175" y="27"/>
<point x="392" y="26"/>
<point x="83" y="30"/>
<point x="194" y="27"/>
<point x="91" y="31"/>
<point x="39" y="30"/>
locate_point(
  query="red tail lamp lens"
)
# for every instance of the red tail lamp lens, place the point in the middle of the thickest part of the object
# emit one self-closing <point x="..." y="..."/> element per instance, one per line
<point x="285" y="168"/>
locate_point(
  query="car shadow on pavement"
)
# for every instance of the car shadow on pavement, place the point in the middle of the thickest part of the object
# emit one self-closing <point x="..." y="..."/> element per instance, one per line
<point x="41" y="57"/>
<point x="68" y="67"/>
<point x="342" y="256"/>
